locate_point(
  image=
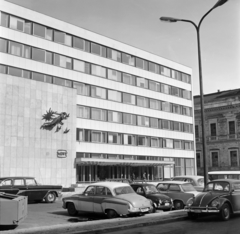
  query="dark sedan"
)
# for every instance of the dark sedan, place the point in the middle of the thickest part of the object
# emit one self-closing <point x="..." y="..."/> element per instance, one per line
<point x="28" y="186"/>
<point x="220" y="197"/>
<point x="160" y="201"/>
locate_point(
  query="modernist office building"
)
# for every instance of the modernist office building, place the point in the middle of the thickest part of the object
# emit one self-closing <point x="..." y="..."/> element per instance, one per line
<point x="120" y="110"/>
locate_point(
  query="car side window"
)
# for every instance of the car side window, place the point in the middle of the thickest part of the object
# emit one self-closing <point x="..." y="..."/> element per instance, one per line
<point x="174" y="187"/>
<point x="162" y="187"/>
<point x="140" y="190"/>
<point x="90" y="190"/>
<point x="108" y="192"/>
<point x="236" y="187"/>
<point x="100" y="191"/>
<point x="7" y="182"/>
<point x="18" y="182"/>
<point x="30" y="182"/>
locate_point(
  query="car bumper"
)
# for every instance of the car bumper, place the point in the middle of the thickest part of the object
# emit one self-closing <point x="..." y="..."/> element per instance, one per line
<point x="139" y="210"/>
<point x="200" y="210"/>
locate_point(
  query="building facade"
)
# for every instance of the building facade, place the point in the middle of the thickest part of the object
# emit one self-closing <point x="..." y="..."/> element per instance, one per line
<point x="127" y="111"/>
<point x="222" y="123"/>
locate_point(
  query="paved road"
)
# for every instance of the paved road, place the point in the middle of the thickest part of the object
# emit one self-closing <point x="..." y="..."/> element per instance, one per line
<point x="206" y="225"/>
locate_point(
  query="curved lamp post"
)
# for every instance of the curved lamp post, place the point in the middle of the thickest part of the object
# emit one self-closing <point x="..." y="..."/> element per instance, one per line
<point x="197" y="27"/>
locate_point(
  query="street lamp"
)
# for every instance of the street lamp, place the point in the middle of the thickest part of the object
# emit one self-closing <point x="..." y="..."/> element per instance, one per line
<point x="197" y="27"/>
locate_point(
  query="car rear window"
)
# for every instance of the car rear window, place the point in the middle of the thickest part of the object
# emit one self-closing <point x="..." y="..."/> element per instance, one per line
<point x="201" y="182"/>
<point x="123" y="190"/>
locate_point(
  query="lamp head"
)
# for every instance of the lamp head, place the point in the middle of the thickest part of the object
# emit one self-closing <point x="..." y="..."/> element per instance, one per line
<point x="169" y="19"/>
<point x="219" y="3"/>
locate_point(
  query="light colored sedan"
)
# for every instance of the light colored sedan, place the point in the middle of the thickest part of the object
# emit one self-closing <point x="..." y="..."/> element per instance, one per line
<point x="111" y="198"/>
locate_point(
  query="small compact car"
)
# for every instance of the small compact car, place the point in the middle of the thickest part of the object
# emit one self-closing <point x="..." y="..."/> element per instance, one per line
<point x="28" y="186"/>
<point x="160" y="201"/>
<point x="179" y="191"/>
<point x="220" y="197"/>
<point x="111" y="198"/>
<point x="196" y="181"/>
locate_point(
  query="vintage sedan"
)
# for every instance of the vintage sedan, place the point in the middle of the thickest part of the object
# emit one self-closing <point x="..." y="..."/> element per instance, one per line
<point x="196" y="181"/>
<point x="179" y="191"/>
<point x="160" y="201"/>
<point x="28" y="186"/>
<point x="220" y="197"/>
<point x="111" y="198"/>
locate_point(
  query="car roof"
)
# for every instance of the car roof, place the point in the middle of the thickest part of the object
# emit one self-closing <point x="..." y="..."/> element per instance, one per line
<point x="143" y="184"/>
<point x="226" y="180"/>
<point x="174" y="182"/>
<point x="189" y="176"/>
<point x="111" y="185"/>
<point x="16" y="177"/>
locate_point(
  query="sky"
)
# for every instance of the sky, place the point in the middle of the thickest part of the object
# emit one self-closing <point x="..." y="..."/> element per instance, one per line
<point x="136" y="23"/>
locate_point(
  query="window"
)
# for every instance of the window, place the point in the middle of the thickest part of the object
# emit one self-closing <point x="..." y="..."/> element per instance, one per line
<point x="19" y="182"/>
<point x="176" y="109"/>
<point x="15" y="48"/>
<point x="82" y="89"/>
<point x="81" y="44"/>
<point x="231" y="127"/>
<point x="214" y="159"/>
<point x="38" y="30"/>
<point x="186" y="127"/>
<point x="41" y="77"/>
<point x="168" y="143"/>
<point x="62" y="38"/>
<point x="4" y="19"/>
<point x="20" y="25"/>
<point x="186" y="111"/>
<point x="114" y="138"/>
<point x="154" y="67"/>
<point x="62" y="61"/>
<point x="98" y="114"/>
<point x="114" y="55"/>
<point x="129" y="99"/>
<point x="189" y="166"/>
<point x="198" y="160"/>
<point x="30" y="181"/>
<point x="114" y="96"/>
<point x="78" y="65"/>
<point x="153" y="123"/>
<point x="129" y="139"/>
<point x="155" y="86"/>
<point x="99" y="137"/>
<point x="114" y="116"/>
<point x="128" y="59"/>
<point x="3" y="69"/>
<point x="98" y="70"/>
<point x="27" y="52"/>
<point x="177" y="144"/>
<point x="186" y="78"/>
<point x="233" y="158"/>
<point x="165" y="88"/>
<point x="141" y="82"/>
<point x="155" y="104"/>
<point x="196" y="131"/>
<point x="141" y="63"/>
<point x="98" y="50"/>
<point x="114" y="75"/>
<point x="129" y="79"/>
<point x="83" y="112"/>
<point x="38" y="55"/>
<point x="15" y="71"/>
<point x="213" y="129"/>
<point x="186" y="94"/>
<point x="187" y="145"/>
<point x="143" y="141"/>
<point x="176" y="75"/>
<point x="166" y="106"/>
<point x="174" y="187"/>
<point x="165" y="124"/>
<point x="98" y="92"/>
<point x="142" y="101"/>
<point x="154" y="142"/>
<point x="143" y="121"/>
<point x="129" y="119"/>
<point x="62" y="82"/>
<point x="175" y="91"/>
<point x="3" y="45"/>
<point x="176" y="126"/>
<point x="165" y="71"/>
<point x="49" y="34"/>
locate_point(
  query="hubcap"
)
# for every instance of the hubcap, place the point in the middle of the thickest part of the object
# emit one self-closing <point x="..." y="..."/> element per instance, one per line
<point x="226" y="212"/>
<point x="50" y="197"/>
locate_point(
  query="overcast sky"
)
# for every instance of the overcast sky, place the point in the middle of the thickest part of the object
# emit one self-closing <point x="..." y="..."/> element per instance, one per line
<point x="136" y="22"/>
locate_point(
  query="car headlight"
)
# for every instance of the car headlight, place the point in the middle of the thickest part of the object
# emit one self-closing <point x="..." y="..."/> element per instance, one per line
<point x="189" y="201"/>
<point x="160" y="201"/>
<point x="215" y="203"/>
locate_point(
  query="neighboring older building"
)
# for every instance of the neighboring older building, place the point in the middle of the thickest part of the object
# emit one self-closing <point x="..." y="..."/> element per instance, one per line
<point x="222" y="123"/>
<point x="124" y="111"/>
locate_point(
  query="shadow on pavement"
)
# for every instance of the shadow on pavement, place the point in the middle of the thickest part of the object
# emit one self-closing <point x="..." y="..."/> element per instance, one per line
<point x="7" y="227"/>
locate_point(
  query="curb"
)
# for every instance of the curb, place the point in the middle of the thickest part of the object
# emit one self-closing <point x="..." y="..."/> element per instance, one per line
<point x="104" y="226"/>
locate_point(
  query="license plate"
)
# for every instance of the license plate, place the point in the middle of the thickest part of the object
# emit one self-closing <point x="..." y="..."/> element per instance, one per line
<point x="167" y="204"/>
<point x="144" y="209"/>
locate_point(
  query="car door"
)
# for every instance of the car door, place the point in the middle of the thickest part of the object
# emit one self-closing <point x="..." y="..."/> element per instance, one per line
<point x="19" y="184"/>
<point x="85" y="202"/>
<point x="163" y="188"/>
<point x="174" y="191"/>
<point x="235" y="196"/>
<point x="100" y="195"/>
<point x="6" y="186"/>
<point x="33" y="191"/>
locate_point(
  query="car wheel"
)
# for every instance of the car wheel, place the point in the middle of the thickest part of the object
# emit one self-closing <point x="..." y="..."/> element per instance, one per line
<point x="71" y="209"/>
<point x="153" y="210"/>
<point x="111" y="214"/>
<point x="225" y="212"/>
<point x="192" y="215"/>
<point x="178" y="205"/>
<point x="50" y="198"/>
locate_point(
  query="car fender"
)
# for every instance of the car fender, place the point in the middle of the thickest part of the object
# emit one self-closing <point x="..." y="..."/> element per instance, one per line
<point x="120" y="206"/>
<point x="224" y="200"/>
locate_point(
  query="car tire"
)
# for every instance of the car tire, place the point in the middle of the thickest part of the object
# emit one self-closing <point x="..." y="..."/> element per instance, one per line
<point x="50" y="198"/>
<point x="225" y="212"/>
<point x="111" y="214"/>
<point x="192" y="216"/>
<point x="178" y="205"/>
<point x="153" y="210"/>
<point x="71" y="209"/>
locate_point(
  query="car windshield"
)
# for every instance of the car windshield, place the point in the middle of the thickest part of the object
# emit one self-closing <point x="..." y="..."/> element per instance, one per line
<point x="188" y="187"/>
<point x="218" y="186"/>
<point x="123" y="190"/>
<point x="149" y="189"/>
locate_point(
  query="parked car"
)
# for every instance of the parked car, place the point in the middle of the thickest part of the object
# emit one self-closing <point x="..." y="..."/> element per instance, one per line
<point x="160" y="201"/>
<point x="196" y="181"/>
<point x="111" y="198"/>
<point x="28" y="186"/>
<point x="179" y="191"/>
<point x="221" y="197"/>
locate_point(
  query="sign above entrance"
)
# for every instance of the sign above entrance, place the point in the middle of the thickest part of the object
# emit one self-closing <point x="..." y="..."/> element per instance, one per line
<point x="62" y="153"/>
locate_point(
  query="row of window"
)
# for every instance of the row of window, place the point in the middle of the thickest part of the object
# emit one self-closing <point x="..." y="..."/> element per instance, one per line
<point x="40" y="55"/>
<point x="131" y="119"/>
<point x="38" y="30"/>
<point x="95" y="136"/>
<point x="98" y="92"/>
